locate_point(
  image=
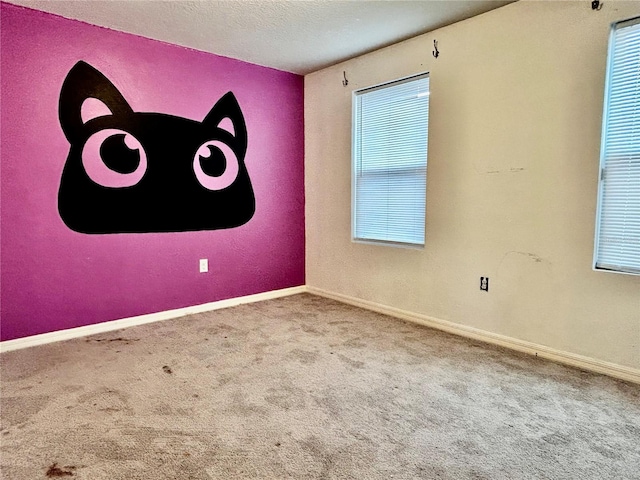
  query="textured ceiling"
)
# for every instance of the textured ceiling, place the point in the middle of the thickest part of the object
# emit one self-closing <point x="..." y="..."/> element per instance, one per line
<point x="298" y="36"/>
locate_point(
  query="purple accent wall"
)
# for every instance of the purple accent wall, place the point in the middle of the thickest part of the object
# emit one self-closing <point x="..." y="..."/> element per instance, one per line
<point x="53" y="278"/>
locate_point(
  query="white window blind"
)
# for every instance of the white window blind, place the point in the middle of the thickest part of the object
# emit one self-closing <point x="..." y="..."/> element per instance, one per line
<point x="390" y="131"/>
<point x="617" y="245"/>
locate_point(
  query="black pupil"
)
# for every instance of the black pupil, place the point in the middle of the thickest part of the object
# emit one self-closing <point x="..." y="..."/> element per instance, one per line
<point x="215" y="164"/>
<point x="117" y="156"/>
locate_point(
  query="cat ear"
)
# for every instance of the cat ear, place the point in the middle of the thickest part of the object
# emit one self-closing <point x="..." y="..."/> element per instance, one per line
<point x="81" y="83"/>
<point x="227" y="110"/>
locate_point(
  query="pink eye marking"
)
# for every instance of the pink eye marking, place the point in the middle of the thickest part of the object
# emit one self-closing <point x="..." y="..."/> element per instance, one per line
<point x="132" y="142"/>
<point x="215" y="165"/>
<point x="114" y="158"/>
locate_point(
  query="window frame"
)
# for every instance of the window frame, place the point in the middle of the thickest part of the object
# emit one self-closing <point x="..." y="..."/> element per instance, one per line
<point x="603" y="159"/>
<point x="354" y="152"/>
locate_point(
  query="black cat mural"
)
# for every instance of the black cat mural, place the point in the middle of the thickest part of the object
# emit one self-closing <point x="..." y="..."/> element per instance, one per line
<point x="133" y="172"/>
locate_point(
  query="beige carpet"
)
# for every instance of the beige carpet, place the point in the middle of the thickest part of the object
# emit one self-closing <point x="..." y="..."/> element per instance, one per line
<point x="306" y="388"/>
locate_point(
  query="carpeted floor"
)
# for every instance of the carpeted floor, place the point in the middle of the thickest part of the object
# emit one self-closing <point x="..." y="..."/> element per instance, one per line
<point x="306" y="388"/>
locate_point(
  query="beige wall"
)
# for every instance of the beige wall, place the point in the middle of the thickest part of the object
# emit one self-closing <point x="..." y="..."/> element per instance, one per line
<point x="514" y="138"/>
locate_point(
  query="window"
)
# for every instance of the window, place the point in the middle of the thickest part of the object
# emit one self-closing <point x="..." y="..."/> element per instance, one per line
<point x="389" y="179"/>
<point x="617" y="244"/>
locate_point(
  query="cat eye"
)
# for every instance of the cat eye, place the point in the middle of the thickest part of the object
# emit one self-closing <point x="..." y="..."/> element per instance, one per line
<point x="114" y="158"/>
<point x="215" y="165"/>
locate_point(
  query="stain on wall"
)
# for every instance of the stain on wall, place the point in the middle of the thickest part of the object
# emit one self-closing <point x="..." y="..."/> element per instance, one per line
<point x="53" y="277"/>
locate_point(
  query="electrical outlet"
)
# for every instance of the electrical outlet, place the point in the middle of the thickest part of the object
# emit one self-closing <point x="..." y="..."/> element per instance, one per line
<point x="484" y="284"/>
<point x="204" y="265"/>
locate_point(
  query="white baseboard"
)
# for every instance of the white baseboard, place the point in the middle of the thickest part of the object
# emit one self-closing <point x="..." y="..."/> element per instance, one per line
<point x="586" y="363"/>
<point x="109" y="326"/>
<point x="575" y="360"/>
